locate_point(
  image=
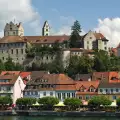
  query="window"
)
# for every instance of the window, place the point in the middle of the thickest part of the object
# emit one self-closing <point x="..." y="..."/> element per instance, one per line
<point x="92" y="89"/>
<point x="82" y="89"/>
<point x="46" y="30"/>
<point x="59" y="95"/>
<point x="63" y="95"/>
<point x="117" y="90"/>
<point x="3" y="58"/>
<point x="105" y="48"/>
<point x="33" y="93"/>
<point x="73" y="95"/>
<point x="25" y="93"/>
<point x="28" y="93"/>
<point x="106" y="90"/>
<point x="22" y="51"/>
<point x="101" y="90"/>
<point x="90" y="37"/>
<point x="114" y="97"/>
<point x="68" y="95"/>
<point x="87" y="97"/>
<point x="12" y="51"/>
<point x="8" y="88"/>
<point x="51" y="93"/>
<point x="36" y="93"/>
<point x="87" y="42"/>
<point x="80" y="97"/>
<point x="16" y="51"/>
<point x="111" y="90"/>
<point x="47" y="34"/>
<point x="47" y="57"/>
<point x="44" y="93"/>
<point x="13" y="33"/>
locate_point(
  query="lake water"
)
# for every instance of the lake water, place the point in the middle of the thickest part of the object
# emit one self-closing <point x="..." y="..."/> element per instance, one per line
<point x="57" y="118"/>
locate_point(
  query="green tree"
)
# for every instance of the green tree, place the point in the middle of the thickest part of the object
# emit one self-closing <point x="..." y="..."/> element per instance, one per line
<point x="101" y="61"/>
<point x="79" y="65"/>
<point x="56" y="66"/>
<point x="48" y="102"/>
<point x="76" y="27"/>
<point x="118" y="102"/>
<point x="9" y="64"/>
<point x="2" y="67"/>
<point x="73" y="103"/>
<point x="105" y="101"/>
<point x="96" y="101"/>
<point x="6" y="100"/>
<point x="75" y="37"/>
<point x="18" y="67"/>
<point x="26" y="101"/>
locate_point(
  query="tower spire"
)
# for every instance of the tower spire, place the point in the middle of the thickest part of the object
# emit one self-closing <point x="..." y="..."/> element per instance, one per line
<point x="46" y="29"/>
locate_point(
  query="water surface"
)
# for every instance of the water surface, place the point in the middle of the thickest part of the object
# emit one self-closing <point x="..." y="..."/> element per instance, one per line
<point x="58" y="118"/>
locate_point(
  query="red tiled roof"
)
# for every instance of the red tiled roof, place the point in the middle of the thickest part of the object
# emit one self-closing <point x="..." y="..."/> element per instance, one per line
<point x="99" y="35"/>
<point x="100" y="76"/>
<point x="61" y="81"/>
<point x="10" y="72"/>
<point x="87" y="84"/>
<point x="46" y="39"/>
<point x="12" y="79"/>
<point x="12" y="39"/>
<point x="24" y="74"/>
<point x="65" y="87"/>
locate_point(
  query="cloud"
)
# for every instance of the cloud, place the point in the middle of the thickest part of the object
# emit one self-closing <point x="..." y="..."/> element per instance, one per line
<point x="20" y="10"/>
<point x="110" y="28"/>
<point x="66" y="23"/>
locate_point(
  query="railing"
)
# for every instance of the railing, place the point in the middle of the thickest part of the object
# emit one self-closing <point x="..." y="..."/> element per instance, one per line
<point x="6" y="91"/>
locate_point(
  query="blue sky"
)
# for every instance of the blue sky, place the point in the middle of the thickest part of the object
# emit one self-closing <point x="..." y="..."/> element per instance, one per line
<point x="86" y="11"/>
<point x="96" y="15"/>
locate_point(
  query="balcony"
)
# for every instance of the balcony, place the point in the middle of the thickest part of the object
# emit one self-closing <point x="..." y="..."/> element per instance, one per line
<point x="6" y="91"/>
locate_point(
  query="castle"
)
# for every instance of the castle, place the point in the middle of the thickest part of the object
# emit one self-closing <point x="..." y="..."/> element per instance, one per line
<point x="14" y="43"/>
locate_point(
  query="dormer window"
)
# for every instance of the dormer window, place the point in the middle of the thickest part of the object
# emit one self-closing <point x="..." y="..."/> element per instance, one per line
<point x="82" y="89"/>
<point x="92" y="89"/>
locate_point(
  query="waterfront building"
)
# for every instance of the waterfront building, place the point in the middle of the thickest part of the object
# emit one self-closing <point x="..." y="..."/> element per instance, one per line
<point x="11" y="85"/>
<point x="86" y="89"/>
<point x="56" y="85"/>
<point x="110" y="87"/>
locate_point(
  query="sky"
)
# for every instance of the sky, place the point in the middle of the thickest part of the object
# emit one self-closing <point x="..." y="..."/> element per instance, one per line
<point x="96" y="15"/>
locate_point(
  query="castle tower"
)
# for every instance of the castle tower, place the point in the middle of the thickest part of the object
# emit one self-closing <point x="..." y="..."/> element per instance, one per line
<point x="46" y="29"/>
<point x="12" y="29"/>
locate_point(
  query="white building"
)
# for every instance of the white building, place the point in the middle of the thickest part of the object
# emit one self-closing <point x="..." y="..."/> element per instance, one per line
<point x="11" y="85"/>
<point x="93" y="40"/>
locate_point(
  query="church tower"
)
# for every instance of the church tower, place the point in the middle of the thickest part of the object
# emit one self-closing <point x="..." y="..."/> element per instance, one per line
<point x="46" y="29"/>
<point x="12" y="29"/>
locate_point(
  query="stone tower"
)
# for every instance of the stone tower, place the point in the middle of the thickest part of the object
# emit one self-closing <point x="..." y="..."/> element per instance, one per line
<point x="46" y="29"/>
<point x="12" y="29"/>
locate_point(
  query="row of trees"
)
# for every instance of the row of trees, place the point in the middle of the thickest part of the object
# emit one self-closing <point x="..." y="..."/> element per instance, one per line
<point x="72" y="103"/>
